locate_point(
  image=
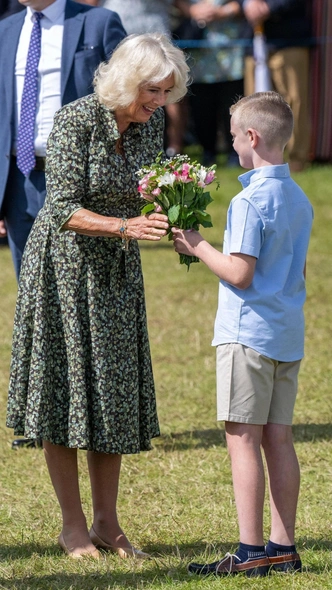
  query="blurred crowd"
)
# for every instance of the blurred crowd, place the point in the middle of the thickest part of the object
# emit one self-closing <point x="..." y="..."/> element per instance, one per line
<point x="217" y="36"/>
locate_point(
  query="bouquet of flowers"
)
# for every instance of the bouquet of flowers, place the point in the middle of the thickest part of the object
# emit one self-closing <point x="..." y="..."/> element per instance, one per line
<point x="177" y="185"/>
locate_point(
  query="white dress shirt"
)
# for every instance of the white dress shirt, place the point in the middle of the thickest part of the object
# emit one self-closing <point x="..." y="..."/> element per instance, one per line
<point x="49" y="71"/>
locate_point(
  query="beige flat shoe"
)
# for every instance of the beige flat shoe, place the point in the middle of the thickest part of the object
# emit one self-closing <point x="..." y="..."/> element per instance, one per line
<point x="95" y="554"/>
<point x="122" y="553"/>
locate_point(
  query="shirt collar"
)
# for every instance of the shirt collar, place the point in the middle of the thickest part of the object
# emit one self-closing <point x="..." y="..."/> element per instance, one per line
<point x="53" y="11"/>
<point x="280" y="171"/>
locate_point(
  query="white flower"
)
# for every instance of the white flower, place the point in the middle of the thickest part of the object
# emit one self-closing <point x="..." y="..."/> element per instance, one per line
<point x="167" y="179"/>
<point x="201" y="174"/>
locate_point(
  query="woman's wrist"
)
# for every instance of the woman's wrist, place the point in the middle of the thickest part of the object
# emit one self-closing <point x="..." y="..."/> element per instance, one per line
<point x="123" y="229"/>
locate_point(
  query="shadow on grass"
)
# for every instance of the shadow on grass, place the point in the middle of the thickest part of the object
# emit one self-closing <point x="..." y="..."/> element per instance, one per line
<point x="204" y="439"/>
<point x="157" y="550"/>
<point x="155" y="571"/>
<point x="87" y="581"/>
<point x="191" y="439"/>
<point x="312" y="432"/>
<point x="168" y="562"/>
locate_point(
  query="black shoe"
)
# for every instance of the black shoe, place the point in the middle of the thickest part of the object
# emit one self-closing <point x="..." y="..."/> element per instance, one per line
<point x="290" y="562"/>
<point x="231" y="565"/>
<point x="26" y="443"/>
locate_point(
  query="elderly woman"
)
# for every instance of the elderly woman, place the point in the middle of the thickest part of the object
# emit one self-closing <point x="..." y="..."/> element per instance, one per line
<point x="81" y="375"/>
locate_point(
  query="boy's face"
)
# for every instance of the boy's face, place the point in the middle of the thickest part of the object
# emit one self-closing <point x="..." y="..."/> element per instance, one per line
<point x="242" y="144"/>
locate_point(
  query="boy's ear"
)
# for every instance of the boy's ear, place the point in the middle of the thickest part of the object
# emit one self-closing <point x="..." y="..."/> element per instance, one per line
<point x="253" y="136"/>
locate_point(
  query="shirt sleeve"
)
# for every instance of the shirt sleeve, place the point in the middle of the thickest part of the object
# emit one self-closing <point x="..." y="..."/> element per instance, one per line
<point x="245" y="229"/>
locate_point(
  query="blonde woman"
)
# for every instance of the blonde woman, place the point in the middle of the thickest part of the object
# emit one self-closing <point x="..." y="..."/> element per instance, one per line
<point x="81" y="369"/>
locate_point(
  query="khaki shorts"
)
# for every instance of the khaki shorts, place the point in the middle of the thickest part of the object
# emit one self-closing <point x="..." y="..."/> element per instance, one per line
<point x="254" y="389"/>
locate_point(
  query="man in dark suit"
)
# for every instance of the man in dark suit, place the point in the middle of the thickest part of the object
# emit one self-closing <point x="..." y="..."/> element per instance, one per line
<point x="75" y="38"/>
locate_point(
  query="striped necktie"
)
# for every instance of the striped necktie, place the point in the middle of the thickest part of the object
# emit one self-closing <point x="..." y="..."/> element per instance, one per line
<point x="26" y="132"/>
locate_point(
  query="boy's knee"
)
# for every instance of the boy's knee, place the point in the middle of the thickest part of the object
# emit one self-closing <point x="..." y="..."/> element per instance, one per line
<point x="275" y="435"/>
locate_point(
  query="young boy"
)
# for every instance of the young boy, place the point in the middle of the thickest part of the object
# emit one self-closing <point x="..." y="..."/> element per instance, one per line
<point x="259" y="333"/>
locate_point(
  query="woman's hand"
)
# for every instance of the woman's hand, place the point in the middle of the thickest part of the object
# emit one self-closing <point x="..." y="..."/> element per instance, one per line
<point x="147" y="227"/>
<point x="186" y="241"/>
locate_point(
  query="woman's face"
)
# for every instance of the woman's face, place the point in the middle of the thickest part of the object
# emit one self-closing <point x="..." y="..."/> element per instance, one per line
<point x="150" y="97"/>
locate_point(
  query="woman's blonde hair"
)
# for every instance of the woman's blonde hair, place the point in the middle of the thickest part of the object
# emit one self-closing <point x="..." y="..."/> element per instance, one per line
<point x="139" y="60"/>
<point x="268" y="113"/>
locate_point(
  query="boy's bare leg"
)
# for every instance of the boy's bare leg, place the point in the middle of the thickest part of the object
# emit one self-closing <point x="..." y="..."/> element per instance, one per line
<point x="244" y="446"/>
<point x="284" y="481"/>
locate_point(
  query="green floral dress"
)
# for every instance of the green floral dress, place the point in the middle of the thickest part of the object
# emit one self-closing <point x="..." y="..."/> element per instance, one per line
<point x="81" y="372"/>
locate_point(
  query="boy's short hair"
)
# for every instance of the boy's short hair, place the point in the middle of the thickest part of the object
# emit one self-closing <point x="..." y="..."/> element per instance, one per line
<point x="268" y="113"/>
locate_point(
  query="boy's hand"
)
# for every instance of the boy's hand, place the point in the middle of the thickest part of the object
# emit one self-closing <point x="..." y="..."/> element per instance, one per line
<point x="186" y="241"/>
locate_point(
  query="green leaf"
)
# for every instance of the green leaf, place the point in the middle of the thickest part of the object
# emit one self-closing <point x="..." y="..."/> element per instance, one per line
<point x="148" y="208"/>
<point x="189" y="194"/>
<point x="173" y="213"/>
<point x="163" y="200"/>
<point x="203" y="218"/>
<point x="204" y="200"/>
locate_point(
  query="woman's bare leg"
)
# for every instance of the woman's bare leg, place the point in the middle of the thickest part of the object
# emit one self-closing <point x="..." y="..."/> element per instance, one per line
<point x="104" y="471"/>
<point x="62" y="467"/>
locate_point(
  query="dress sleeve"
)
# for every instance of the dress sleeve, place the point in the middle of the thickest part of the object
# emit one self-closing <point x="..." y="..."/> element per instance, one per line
<point x="67" y="163"/>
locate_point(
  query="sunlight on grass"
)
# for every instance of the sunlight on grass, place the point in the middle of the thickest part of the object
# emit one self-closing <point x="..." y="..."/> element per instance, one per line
<point x="177" y="500"/>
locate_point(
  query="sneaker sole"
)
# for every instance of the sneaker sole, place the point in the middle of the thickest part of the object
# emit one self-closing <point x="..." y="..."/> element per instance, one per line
<point x="287" y="567"/>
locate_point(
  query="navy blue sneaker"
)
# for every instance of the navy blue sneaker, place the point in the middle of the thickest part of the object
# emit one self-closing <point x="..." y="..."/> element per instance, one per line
<point x="231" y="565"/>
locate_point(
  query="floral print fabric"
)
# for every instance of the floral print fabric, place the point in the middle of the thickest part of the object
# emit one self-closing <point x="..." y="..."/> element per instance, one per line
<point x="220" y="62"/>
<point x="81" y="372"/>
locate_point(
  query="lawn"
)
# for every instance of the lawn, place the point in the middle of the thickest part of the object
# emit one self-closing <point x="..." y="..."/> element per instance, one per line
<point x="176" y="501"/>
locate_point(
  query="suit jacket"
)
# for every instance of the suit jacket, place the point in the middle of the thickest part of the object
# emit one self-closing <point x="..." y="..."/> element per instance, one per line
<point x="89" y="37"/>
<point x="8" y="7"/>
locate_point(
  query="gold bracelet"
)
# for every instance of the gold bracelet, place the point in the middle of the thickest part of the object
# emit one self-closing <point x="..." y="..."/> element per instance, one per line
<point x="123" y="233"/>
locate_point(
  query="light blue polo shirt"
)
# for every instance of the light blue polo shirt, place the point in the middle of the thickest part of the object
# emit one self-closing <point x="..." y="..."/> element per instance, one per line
<point x="270" y="219"/>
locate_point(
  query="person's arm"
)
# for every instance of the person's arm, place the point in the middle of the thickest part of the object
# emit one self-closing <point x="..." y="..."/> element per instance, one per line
<point x="114" y="32"/>
<point x="258" y="11"/>
<point x="236" y="269"/>
<point x="67" y="170"/>
<point x="146" y="227"/>
<point x="207" y="12"/>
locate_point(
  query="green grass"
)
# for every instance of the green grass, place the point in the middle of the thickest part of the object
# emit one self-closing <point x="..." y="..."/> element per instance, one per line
<point x="177" y="500"/>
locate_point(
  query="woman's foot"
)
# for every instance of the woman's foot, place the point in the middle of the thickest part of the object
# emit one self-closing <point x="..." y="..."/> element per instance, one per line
<point x="78" y="546"/>
<point x="119" y="545"/>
